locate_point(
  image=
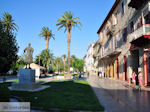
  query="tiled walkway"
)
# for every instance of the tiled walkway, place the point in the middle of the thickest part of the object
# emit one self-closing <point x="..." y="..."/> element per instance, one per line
<point x="116" y="97"/>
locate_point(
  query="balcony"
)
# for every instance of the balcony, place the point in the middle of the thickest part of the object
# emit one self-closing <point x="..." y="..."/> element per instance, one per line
<point x="110" y="30"/>
<point x="140" y="32"/>
<point x="137" y="3"/>
<point x="112" y="49"/>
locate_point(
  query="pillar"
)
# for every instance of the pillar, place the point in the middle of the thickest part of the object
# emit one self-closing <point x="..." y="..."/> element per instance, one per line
<point x="129" y="67"/>
<point x="145" y="70"/>
<point x="141" y="61"/>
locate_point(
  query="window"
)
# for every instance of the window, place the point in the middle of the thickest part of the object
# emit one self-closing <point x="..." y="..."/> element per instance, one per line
<point x="124" y="34"/>
<point x="116" y="41"/>
<point x="132" y="27"/>
<point x="114" y="19"/>
<point x="122" y="6"/>
<point x="141" y="21"/>
<point x="147" y="18"/>
<point x="101" y="36"/>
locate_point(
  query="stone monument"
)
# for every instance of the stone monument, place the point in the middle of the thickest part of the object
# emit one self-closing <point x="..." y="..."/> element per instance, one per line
<point x="27" y="75"/>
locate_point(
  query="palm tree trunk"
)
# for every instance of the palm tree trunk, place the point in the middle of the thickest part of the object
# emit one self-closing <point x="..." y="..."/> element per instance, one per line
<point x="46" y="43"/>
<point x="64" y="65"/>
<point x="69" y="40"/>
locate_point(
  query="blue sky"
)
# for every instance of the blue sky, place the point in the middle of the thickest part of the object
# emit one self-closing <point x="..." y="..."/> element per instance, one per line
<point x="32" y="15"/>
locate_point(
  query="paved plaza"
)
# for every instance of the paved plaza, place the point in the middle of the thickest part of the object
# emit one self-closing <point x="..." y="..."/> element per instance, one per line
<point x="116" y="96"/>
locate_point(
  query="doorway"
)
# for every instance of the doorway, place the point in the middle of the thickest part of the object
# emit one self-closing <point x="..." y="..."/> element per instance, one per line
<point x="125" y="65"/>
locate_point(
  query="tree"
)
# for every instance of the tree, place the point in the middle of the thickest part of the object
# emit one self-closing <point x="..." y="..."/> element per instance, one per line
<point x="58" y="62"/>
<point x="73" y="57"/>
<point x="18" y="64"/>
<point x="38" y="60"/>
<point x="78" y="64"/>
<point x="8" y="22"/>
<point x="8" y="50"/>
<point x="47" y="58"/>
<point x="47" y="34"/>
<point x="64" y="58"/>
<point x="67" y="21"/>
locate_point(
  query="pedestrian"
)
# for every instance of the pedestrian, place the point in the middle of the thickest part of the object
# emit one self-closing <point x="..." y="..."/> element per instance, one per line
<point x="133" y="80"/>
<point x="98" y="74"/>
<point x="140" y="80"/>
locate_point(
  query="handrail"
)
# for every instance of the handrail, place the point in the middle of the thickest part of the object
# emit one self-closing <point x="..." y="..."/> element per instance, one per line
<point x="139" y="32"/>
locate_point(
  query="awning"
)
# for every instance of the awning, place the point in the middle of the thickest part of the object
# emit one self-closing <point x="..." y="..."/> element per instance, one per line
<point x="141" y="41"/>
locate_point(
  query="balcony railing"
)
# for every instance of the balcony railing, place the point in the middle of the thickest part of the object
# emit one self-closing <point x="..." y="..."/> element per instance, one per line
<point x="110" y="30"/>
<point x="137" y="3"/>
<point x="143" y="30"/>
<point x="111" y="47"/>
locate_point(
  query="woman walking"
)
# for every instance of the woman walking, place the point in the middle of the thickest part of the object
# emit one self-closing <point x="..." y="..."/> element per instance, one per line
<point x="140" y="80"/>
<point x="133" y="80"/>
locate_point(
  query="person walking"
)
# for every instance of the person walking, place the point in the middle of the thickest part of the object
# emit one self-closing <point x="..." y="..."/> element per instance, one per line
<point x="133" y="80"/>
<point x="140" y="80"/>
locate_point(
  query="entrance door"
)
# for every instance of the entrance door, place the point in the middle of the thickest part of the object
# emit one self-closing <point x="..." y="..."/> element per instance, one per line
<point x="148" y="67"/>
<point x="125" y="68"/>
<point x="117" y="68"/>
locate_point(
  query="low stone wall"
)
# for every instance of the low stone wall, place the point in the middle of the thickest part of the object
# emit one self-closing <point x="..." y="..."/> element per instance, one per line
<point x="60" y="77"/>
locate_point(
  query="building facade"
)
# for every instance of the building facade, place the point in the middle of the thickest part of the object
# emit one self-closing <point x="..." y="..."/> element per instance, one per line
<point x="124" y="38"/>
<point x="88" y="59"/>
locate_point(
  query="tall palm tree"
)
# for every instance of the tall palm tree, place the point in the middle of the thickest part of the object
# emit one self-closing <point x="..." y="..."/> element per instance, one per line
<point x="67" y="21"/>
<point x="58" y="62"/>
<point x="64" y="57"/>
<point x="8" y="22"/>
<point x="47" y="33"/>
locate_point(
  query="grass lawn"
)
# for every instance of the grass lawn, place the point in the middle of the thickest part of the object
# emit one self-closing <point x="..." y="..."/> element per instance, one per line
<point x="65" y="95"/>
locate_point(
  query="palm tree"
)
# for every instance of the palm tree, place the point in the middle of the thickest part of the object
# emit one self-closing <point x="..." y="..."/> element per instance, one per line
<point x="47" y="58"/>
<point x="64" y="57"/>
<point x="58" y="62"/>
<point x="47" y="33"/>
<point x="8" y="22"/>
<point x="73" y="57"/>
<point x="67" y="21"/>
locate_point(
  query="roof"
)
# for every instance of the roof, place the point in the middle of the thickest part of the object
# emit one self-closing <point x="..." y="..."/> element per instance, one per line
<point x="108" y="16"/>
<point x="34" y="66"/>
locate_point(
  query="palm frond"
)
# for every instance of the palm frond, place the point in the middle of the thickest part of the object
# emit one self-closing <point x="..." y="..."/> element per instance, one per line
<point x="67" y="20"/>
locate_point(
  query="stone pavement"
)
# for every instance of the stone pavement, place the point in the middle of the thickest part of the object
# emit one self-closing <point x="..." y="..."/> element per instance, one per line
<point x="116" y="96"/>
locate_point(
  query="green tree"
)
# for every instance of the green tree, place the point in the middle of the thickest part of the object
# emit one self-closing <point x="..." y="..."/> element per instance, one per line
<point x="47" y="58"/>
<point x="73" y="57"/>
<point x="18" y="64"/>
<point x="47" y="34"/>
<point x="64" y="58"/>
<point x="8" y="50"/>
<point x="58" y="62"/>
<point x="67" y="21"/>
<point x="8" y="22"/>
<point x="78" y="64"/>
<point x="38" y="60"/>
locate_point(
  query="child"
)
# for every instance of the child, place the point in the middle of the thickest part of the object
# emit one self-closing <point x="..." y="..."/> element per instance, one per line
<point x="133" y="80"/>
<point x="140" y="80"/>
